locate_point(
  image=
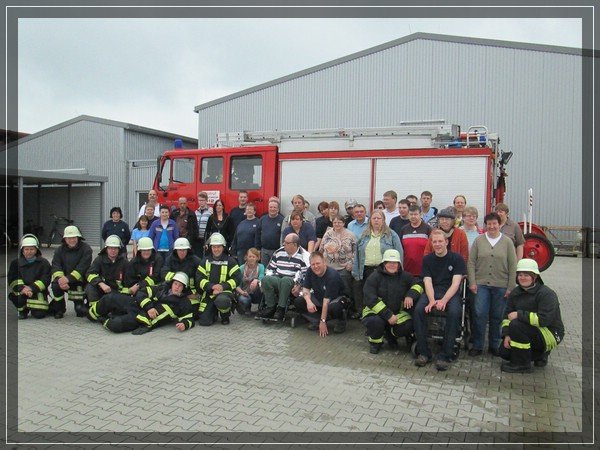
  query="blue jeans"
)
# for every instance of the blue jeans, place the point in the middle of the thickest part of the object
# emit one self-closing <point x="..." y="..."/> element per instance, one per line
<point x="453" y="313"/>
<point x="489" y="307"/>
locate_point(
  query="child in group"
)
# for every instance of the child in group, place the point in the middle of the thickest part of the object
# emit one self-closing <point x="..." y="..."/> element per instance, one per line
<point x="142" y="229"/>
<point x="252" y="273"/>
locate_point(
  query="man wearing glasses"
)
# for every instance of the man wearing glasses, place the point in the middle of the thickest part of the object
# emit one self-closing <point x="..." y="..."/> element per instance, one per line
<point x="283" y="277"/>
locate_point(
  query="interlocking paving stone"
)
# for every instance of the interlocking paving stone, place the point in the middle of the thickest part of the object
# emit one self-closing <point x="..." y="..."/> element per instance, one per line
<point x="258" y="378"/>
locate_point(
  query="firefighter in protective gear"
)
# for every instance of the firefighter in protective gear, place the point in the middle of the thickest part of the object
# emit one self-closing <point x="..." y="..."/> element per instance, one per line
<point x="106" y="272"/>
<point x="143" y="271"/>
<point x="532" y="325"/>
<point x="389" y="295"/>
<point x="216" y="280"/>
<point x="28" y="279"/>
<point x="182" y="260"/>
<point x="168" y="303"/>
<point x="120" y="311"/>
<point x="70" y="263"/>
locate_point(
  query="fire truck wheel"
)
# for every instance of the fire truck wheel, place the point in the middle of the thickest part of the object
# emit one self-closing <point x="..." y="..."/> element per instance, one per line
<point x="540" y="249"/>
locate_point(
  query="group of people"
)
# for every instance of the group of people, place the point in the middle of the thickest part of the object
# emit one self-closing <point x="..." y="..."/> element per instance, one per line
<point x="392" y="269"/>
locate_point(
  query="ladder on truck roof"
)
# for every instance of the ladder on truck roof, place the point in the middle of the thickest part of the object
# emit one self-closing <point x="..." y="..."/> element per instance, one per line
<point x="431" y="131"/>
<point x="406" y="135"/>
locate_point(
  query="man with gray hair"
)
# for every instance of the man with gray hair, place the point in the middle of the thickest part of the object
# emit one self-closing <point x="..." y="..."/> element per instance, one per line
<point x="283" y="277"/>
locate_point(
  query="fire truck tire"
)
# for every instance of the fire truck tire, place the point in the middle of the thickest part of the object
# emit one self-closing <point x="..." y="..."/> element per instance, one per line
<point x="540" y="249"/>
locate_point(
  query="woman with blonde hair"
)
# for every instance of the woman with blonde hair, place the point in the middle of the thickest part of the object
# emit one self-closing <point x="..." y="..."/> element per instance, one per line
<point x="375" y="240"/>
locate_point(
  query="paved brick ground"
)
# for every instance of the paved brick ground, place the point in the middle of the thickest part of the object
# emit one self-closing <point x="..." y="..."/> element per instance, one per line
<point x="75" y="376"/>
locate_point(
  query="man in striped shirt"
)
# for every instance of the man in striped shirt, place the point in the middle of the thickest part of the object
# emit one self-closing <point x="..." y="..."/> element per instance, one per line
<point x="284" y="276"/>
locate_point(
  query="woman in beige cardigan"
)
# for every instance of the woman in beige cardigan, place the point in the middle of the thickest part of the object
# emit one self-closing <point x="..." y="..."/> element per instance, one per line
<point x="491" y="272"/>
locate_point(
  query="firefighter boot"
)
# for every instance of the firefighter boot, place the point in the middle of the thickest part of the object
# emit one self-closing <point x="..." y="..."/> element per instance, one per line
<point x="374" y="347"/>
<point x="225" y="318"/>
<point x="520" y="361"/>
<point x="542" y="361"/>
<point x="80" y="308"/>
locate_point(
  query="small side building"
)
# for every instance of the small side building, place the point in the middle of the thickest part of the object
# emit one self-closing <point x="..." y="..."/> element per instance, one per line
<point x="90" y="148"/>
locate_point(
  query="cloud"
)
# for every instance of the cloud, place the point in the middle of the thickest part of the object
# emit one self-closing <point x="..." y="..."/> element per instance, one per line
<point x="153" y="72"/>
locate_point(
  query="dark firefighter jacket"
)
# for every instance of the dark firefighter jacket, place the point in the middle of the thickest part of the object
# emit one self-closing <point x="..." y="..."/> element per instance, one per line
<point x="110" y="272"/>
<point x="72" y="263"/>
<point x="384" y="293"/>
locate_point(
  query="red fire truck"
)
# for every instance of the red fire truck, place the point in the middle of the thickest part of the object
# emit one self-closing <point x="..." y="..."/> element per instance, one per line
<point x="340" y="164"/>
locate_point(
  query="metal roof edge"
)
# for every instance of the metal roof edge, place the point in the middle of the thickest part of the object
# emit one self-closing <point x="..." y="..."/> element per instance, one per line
<point x="109" y="122"/>
<point x="394" y="43"/>
<point x="47" y="176"/>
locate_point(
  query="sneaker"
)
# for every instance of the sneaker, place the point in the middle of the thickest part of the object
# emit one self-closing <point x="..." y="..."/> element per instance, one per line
<point x="374" y="348"/>
<point x="340" y="326"/>
<point x="422" y="361"/>
<point x="266" y="313"/>
<point x="313" y="326"/>
<point x="442" y="364"/>
<point x="23" y="315"/>
<point x="279" y="314"/>
<point x="509" y="367"/>
<point x="475" y="352"/>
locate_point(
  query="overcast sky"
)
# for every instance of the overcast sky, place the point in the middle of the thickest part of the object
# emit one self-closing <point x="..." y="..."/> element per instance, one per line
<point x="153" y="72"/>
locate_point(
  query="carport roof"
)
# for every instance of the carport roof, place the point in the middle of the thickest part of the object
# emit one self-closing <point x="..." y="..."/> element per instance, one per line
<point x="31" y="177"/>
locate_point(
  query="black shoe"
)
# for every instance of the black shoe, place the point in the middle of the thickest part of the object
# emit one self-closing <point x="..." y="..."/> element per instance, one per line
<point x="141" y="330"/>
<point x="225" y="320"/>
<point x="23" y="315"/>
<point x="279" y="314"/>
<point x="313" y="326"/>
<point x="356" y="316"/>
<point x="80" y="310"/>
<point x="442" y="364"/>
<point x="374" y="348"/>
<point x="543" y="362"/>
<point x="58" y="315"/>
<point x="509" y="367"/>
<point x="475" y="352"/>
<point x="493" y="352"/>
<point x="340" y="326"/>
<point x="266" y="313"/>
<point x="391" y="340"/>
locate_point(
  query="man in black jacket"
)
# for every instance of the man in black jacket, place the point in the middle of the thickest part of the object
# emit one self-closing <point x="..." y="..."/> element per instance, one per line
<point x="70" y="263"/>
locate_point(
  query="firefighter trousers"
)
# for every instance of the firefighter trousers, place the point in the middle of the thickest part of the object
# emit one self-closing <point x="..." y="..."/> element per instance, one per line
<point x="118" y="312"/>
<point x="75" y="293"/>
<point x="527" y="343"/>
<point x="37" y="304"/>
<point x="182" y="312"/>
<point x="378" y="327"/>
<point x="210" y="308"/>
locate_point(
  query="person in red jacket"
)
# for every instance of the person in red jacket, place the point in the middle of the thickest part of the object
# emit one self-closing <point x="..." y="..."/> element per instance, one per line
<point x="457" y="238"/>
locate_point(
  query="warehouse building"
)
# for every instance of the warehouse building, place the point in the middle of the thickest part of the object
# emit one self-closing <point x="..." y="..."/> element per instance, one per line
<point x="531" y="95"/>
<point x="81" y="168"/>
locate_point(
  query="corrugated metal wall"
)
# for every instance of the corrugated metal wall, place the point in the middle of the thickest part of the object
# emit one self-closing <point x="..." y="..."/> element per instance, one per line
<point x="103" y="150"/>
<point x="96" y="147"/>
<point x="531" y="98"/>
